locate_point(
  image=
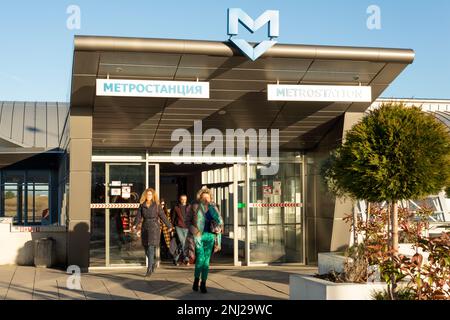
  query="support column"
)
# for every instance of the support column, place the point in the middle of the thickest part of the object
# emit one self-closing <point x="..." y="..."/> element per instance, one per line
<point x="80" y="167"/>
<point x="236" y="261"/>
<point x="341" y="236"/>
<point x="324" y="212"/>
<point x="247" y="209"/>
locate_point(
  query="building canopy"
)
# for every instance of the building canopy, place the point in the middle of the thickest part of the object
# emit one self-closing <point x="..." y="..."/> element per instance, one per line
<point x="238" y="87"/>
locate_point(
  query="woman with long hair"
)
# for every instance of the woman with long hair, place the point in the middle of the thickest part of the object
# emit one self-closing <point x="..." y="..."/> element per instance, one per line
<point x="205" y="227"/>
<point x="150" y="212"/>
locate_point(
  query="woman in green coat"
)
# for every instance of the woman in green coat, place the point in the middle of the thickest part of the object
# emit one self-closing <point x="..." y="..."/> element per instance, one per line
<point x="205" y="227"/>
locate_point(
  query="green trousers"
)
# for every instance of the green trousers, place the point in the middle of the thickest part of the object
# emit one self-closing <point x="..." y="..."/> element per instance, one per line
<point x="203" y="251"/>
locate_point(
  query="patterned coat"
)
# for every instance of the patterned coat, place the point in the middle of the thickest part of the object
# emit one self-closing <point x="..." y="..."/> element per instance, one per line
<point x="195" y="221"/>
<point x="165" y="229"/>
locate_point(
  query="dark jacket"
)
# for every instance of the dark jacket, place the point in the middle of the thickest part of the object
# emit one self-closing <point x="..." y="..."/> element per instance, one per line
<point x="178" y="218"/>
<point x="151" y="228"/>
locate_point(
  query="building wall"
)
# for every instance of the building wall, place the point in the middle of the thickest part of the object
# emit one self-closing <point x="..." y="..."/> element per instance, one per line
<point x="16" y="242"/>
<point x="17" y="247"/>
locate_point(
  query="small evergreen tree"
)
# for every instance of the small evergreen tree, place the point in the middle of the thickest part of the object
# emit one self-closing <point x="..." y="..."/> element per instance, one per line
<point x="394" y="153"/>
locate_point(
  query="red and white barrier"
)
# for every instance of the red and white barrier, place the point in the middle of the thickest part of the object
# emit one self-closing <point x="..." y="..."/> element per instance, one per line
<point x="114" y="205"/>
<point x="136" y="205"/>
<point x="275" y="205"/>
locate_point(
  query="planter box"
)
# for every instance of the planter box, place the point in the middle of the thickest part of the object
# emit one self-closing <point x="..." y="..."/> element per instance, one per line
<point x="334" y="261"/>
<point x="311" y="288"/>
<point x="409" y="250"/>
<point x="331" y="261"/>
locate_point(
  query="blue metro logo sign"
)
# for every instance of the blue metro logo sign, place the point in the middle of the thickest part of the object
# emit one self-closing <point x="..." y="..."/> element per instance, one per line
<point x="271" y="17"/>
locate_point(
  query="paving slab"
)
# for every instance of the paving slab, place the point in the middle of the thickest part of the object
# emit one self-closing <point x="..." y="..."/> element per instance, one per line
<point x="6" y="275"/>
<point x="22" y="284"/>
<point x="94" y="288"/>
<point x="45" y="284"/>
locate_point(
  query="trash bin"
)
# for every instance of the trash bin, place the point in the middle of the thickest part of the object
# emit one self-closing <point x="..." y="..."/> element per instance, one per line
<point x="43" y="252"/>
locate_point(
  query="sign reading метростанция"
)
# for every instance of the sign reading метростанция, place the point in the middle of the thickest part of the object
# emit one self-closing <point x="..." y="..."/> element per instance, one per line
<point x="278" y="92"/>
<point x="152" y="88"/>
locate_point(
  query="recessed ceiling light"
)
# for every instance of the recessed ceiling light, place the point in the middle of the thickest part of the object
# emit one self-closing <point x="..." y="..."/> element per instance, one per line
<point x="222" y="112"/>
<point x="119" y="69"/>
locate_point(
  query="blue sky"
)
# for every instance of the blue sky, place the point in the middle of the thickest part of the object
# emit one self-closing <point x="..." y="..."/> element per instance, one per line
<point x="36" y="45"/>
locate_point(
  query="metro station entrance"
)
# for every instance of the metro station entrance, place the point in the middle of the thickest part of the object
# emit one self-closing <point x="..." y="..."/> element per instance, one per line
<point x="262" y="223"/>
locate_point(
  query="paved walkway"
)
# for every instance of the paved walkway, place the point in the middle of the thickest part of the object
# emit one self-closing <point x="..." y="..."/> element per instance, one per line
<point x="26" y="283"/>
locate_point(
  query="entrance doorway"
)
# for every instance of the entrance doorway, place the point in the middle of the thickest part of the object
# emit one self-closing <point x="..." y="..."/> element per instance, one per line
<point x="187" y="179"/>
<point x="263" y="215"/>
<point x="116" y="190"/>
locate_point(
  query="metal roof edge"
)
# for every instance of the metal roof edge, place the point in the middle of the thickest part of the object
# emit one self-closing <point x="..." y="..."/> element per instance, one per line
<point x="225" y="48"/>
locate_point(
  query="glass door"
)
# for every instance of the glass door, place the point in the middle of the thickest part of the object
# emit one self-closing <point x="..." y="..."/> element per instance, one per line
<point x="125" y="183"/>
<point x="117" y="188"/>
<point x="275" y="220"/>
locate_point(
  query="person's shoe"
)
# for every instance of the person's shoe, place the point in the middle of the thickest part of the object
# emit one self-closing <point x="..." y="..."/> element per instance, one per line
<point x="148" y="273"/>
<point x="203" y="287"/>
<point x="153" y="267"/>
<point x="195" y="285"/>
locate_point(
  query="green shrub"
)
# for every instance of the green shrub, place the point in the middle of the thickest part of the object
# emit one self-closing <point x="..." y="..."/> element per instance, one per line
<point x="402" y="294"/>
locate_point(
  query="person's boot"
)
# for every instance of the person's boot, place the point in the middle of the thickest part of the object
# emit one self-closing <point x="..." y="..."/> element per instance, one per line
<point x="149" y="272"/>
<point x="195" y="285"/>
<point x="153" y="267"/>
<point x="203" y="287"/>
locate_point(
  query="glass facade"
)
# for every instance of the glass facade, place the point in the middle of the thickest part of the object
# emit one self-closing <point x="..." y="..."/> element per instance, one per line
<point x="275" y="208"/>
<point x="263" y="215"/>
<point x="26" y="197"/>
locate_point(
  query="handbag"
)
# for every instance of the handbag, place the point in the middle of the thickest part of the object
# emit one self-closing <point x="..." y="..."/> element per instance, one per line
<point x="215" y="227"/>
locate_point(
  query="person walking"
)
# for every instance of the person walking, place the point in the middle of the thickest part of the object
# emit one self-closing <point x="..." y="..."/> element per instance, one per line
<point x="165" y="233"/>
<point x="150" y="212"/>
<point x="179" y="213"/>
<point x="205" y="227"/>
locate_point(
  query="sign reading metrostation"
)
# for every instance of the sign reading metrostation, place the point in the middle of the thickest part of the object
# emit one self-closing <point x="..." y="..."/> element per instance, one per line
<point x="152" y="88"/>
<point x="276" y="92"/>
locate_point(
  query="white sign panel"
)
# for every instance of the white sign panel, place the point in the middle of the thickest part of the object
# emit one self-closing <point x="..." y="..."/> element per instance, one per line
<point x="126" y="192"/>
<point x="277" y="188"/>
<point x="115" y="191"/>
<point x="285" y="92"/>
<point x="152" y="88"/>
